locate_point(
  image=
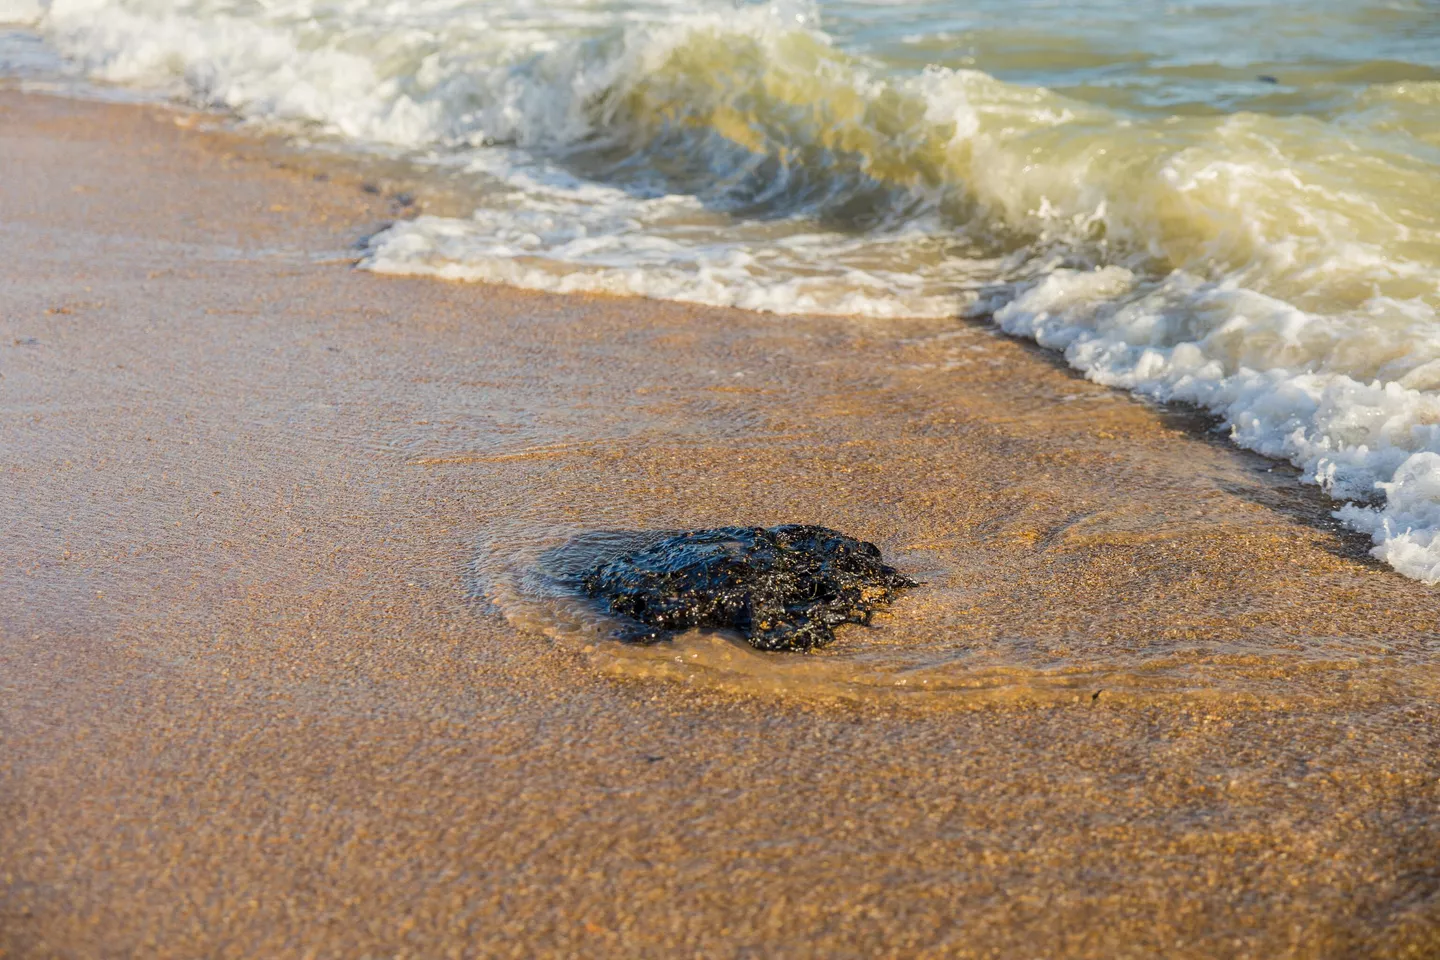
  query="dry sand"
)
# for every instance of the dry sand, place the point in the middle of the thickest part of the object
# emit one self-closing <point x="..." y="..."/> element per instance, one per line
<point x="252" y="703"/>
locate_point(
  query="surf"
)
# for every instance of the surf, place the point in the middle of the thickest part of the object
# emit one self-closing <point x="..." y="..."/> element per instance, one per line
<point x="1266" y="248"/>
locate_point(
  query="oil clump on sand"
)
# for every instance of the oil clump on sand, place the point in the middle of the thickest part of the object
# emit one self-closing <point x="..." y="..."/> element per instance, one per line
<point x="782" y="588"/>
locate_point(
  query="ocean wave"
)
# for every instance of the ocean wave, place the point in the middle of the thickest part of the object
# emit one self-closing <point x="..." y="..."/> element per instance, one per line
<point x="1280" y="270"/>
<point x="21" y="11"/>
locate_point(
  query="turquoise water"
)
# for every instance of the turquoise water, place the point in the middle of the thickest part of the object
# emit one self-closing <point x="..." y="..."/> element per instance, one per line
<point x="1160" y="58"/>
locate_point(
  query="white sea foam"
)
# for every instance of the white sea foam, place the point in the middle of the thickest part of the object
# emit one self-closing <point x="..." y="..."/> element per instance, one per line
<point x="1355" y="438"/>
<point x="549" y="231"/>
<point x="20" y="11"/>
<point x="1279" y="270"/>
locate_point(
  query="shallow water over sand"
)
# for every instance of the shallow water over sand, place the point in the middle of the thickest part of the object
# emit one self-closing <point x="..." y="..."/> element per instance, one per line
<point x="1228" y="204"/>
<point x="250" y="706"/>
<point x="1165" y="577"/>
<point x="940" y="648"/>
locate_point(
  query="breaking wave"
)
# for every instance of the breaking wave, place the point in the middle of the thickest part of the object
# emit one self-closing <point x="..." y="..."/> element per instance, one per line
<point x="1278" y="265"/>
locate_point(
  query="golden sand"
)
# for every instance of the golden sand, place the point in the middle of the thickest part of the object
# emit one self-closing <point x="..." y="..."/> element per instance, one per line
<point x="265" y="691"/>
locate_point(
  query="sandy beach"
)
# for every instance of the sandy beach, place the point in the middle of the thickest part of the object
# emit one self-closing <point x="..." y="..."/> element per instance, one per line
<point x="271" y="684"/>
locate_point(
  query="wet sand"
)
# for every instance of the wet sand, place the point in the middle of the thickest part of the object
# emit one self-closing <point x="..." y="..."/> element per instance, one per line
<point x="265" y="691"/>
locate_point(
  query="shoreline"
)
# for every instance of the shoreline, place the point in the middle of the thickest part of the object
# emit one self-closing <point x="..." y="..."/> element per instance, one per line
<point x="250" y="708"/>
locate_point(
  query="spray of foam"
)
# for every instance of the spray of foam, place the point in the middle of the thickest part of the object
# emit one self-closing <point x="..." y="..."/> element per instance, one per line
<point x="1279" y="271"/>
<point x="20" y="11"/>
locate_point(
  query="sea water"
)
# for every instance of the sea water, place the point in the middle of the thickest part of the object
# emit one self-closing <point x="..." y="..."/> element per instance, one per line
<point x="1230" y="204"/>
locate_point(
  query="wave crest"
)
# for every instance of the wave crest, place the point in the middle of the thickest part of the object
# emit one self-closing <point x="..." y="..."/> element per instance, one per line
<point x="1279" y="270"/>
